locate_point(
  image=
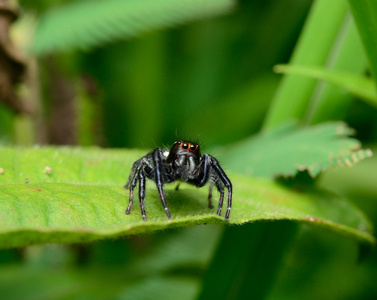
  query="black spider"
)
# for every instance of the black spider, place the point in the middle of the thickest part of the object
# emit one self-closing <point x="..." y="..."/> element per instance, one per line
<point x="183" y="162"/>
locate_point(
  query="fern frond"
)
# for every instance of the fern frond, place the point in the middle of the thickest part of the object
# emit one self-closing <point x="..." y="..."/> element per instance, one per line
<point x="86" y="24"/>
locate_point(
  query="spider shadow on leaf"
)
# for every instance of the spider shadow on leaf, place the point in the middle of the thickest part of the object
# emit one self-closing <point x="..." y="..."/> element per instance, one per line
<point x="183" y="202"/>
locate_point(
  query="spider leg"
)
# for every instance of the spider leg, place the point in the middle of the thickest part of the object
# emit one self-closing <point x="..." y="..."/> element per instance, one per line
<point x="225" y="180"/>
<point x="131" y="184"/>
<point x="133" y="174"/>
<point x="220" y="188"/>
<point x="142" y="193"/>
<point x="206" y="163"/>
<point x="128" y="210"/>
<point x="157" y="154"/>
<point x="177" y="187"/>
<point x="210" y="196"/>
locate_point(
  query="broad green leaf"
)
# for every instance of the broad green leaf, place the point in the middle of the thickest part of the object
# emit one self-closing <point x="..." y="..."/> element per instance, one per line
<point x="290" y="149"/>
<point x="86" y="24"/>
<point x="358" y="85"/>
<point x="64" y="195"/>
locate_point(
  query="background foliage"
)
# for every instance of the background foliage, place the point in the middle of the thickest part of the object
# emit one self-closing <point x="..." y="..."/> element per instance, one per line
<point x="199" y="70"/>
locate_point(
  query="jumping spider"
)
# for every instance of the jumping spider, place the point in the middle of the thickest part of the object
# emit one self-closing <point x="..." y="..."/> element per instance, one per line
<point x="183" y="162"/>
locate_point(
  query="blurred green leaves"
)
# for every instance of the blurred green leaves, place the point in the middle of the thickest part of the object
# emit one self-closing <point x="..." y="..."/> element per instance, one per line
<point x="86" y="24"/>
<point x="132" y="276"/>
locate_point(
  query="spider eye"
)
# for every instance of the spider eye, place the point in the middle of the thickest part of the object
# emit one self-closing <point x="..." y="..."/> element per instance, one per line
<point x="178" y="143"/>
<point x="192" y="147"/>
<point x="197" y="146"/>
<point x="185" y="146"/>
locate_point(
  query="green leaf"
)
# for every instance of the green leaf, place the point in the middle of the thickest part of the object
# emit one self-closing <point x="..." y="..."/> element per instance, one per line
<point x="365" y="15"/>
<point x="328" y="102"/>
<point x="86" y="24"/>
<point x="358" y="85"/>
<point x="290" y="149"/>
<point x="65" y="195"/>
<point x="321" y="29"/>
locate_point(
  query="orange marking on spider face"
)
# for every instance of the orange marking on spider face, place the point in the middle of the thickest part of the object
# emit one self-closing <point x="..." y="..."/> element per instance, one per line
<point x="187" y="146"/>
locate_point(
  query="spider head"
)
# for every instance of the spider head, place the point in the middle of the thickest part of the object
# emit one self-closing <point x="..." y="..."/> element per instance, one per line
<point x="185" y="157"/>
<point x="184" y="148"/>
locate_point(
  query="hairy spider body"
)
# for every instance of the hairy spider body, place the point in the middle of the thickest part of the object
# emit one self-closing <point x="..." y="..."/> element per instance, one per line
<point x="183" y="162"/>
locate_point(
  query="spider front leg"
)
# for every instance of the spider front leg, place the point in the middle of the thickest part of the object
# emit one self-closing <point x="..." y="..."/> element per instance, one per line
<point x="205" y="163"/>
